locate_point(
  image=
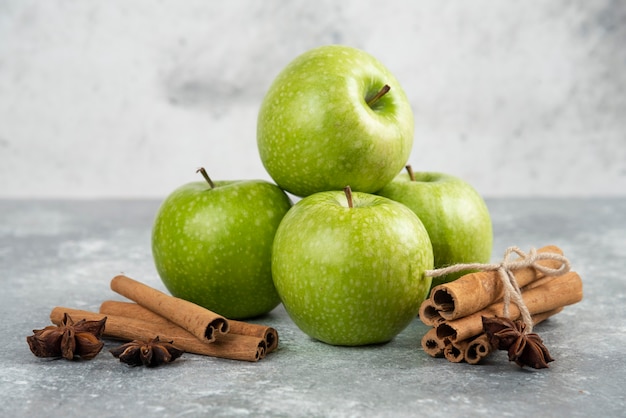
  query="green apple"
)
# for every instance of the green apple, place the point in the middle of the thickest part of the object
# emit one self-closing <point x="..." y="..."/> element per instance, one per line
<point x="212" y="242"/>
<point x="454" y="214"/>
<point x="334" y="116"/>
<point x="349" y="268"/>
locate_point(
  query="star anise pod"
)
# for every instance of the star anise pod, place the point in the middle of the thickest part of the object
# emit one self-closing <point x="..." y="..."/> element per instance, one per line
<point x="525" y="349"/>
<point x="148" y="353"/>
<point x="69" y="339"/>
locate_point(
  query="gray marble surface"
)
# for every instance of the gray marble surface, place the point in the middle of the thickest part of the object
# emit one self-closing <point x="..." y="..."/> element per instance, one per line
<point x="65" y="253"/>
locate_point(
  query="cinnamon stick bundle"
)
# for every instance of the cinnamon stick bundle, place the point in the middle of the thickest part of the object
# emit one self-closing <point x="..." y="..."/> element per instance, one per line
<point x="134" y="310"/>
<point x="474" y="349"/>
<point x="450" y="300"/>
<point x="531" y="288"/>
<point x="554" y="293"/>
<point x="199" y="321"/>
<point x="228" y="346"/>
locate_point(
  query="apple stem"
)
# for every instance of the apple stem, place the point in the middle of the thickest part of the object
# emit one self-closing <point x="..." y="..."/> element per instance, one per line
<point x="202" y="171"/>
<point x="348" y="191"/>
<point x="409" y="170"/>
<point x="377" y="96"/>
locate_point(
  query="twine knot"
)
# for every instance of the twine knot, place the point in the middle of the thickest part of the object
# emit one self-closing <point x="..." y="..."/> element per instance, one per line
<point x="506" y="268"/>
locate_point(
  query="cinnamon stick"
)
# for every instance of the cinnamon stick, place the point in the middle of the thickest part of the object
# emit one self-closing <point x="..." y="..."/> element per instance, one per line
<point x="268" y="334"/>
<point x="134" y="310"/>
<point x="477" y="349"/>
<point x="199" y="321"/>
<point x="433" y="345"/>
<point x="555" y="293"/>
<point x="542" y="316"/>
<point x="475" y="291"/>
<point x="428" y="314"/>
<point x="454" y="352"/>
<point x="235" y="346"/>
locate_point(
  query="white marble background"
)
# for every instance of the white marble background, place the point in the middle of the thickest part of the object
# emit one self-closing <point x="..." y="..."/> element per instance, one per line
<point x="127" y="98"/>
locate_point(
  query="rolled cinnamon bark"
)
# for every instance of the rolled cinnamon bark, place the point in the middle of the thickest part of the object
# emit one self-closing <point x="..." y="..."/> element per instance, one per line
<point x="477" y="349"/>
<point x="475" y="291"/>
<point x="197" y="320"/>
<point x="269" y="334"/>
<point x="428" y="314"/>
<point x="542" y="316"/>
<point x="432" y="345"/>
<point x="134" y="310"/>
<point x="555" y="293"/>
<point x="455" y="351"/>
<point x="234" y="347"/>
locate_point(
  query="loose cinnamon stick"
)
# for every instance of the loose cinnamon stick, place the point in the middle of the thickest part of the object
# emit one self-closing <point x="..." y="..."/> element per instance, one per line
<point x="269" y="334"/>
<point x="558" y="292"/>
<point x="474" y="291"/>
<point x="432" y="345"/>
<point x="134" y="310"/>
<point x="197" y="320"/>
<point x="235" y="347"/>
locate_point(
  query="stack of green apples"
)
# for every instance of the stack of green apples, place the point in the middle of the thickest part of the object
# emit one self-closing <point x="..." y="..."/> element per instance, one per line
<point x="348" y="259"/>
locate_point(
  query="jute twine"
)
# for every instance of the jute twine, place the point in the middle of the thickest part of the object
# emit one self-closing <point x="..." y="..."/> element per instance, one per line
<point x="505" y="269"/>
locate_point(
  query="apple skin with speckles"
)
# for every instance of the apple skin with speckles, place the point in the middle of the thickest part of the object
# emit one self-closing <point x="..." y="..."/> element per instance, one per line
<point x="316" y="131"/>
<point x="212" y="246"/>
<point x="454" y="213"/>
<point x="351" y="275"/>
